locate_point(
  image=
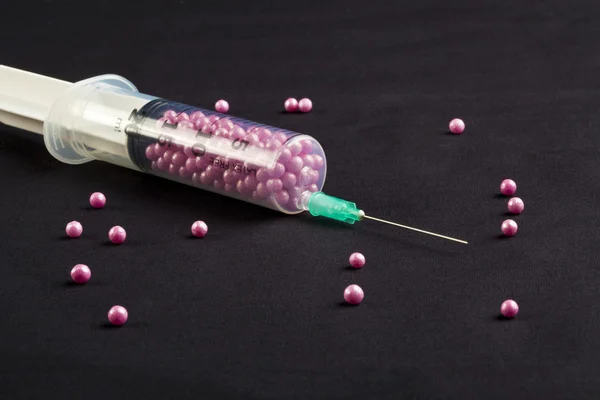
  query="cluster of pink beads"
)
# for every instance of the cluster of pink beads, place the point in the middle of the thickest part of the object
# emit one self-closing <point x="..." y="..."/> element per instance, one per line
<point x="296" y="170"/>
<point x="508" y="187"/>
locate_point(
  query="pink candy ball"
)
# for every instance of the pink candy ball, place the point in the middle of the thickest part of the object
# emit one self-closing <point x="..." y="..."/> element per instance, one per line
<point x="295" y="148"/>
<point x="118" y="315"/>
<point x="291" y="104"/>
<point x="289" y="180"/>
<point x="509" y="308"/>
<point x="274" y="185"/>
<point x="509" y="227"/>
<point x="357" y="260"/>
<point x="81" y="273"/>
<point x="305" y="105"/>
<point x="222" y="106"/>
<point x="354" y="294"/>
<point x="508" y="187"/>
<point x="199" y="229"/>
<point x="295" y="164"/>
<point x="457" y="126"/>
<point x="516" y="205"/>
<point x="117" y="234"/>
<point x="282" y="197"/>
<point x="97" y="200"/>
<point x="74" y="229"/>
<point x="276" y="171"/>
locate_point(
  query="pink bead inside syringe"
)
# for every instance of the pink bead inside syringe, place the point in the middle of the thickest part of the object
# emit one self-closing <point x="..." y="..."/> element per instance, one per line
<point x="260" y="164"/>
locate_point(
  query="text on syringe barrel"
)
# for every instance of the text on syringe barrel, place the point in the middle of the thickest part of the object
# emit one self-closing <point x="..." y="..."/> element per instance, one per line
<point x="253" y="162"/>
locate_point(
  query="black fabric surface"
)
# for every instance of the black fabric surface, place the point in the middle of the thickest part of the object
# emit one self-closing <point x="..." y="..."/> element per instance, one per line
<point x="254" y="310"/>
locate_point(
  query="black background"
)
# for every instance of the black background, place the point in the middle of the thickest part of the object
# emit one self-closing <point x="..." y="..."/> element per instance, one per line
<point x="254" y="309"/>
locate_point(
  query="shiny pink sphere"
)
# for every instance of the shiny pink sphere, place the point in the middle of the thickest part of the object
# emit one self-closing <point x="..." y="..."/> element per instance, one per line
<point x="291" y="105"/>
<point x="509" y="308"/>
<point x="74" y="229"/>
<point x="199" y="229"/>
<point x="509" y="227"/>
<point x="508" y="187"/>
<point x="97" y="200"/>
<point x="305" y="105"/>
<point x="457" y="126"/>
<point x="81" y="273"/>
<point x="516" y="205"/>
<point x="118" y="315"/>
<point x="357" y="260"/>
<point x="222" y="106"/>
<point x="354" y="294"/>
<point x="117" y="234"/>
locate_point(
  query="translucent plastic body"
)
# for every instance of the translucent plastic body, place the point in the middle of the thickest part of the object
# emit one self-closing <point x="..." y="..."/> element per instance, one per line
<point x="107" y="119"/>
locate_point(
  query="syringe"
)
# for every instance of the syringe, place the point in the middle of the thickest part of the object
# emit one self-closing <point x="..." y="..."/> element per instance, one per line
<point x="106" y="118"/>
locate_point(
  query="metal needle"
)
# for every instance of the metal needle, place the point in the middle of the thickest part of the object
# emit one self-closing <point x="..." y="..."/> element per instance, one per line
<point x="416" y="230"/>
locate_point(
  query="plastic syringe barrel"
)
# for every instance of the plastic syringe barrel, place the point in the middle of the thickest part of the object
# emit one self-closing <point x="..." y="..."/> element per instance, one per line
<point x="109" y="120"/>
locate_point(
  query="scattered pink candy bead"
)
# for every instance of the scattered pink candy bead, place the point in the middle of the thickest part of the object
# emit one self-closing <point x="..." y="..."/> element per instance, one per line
<point x="117" y="234"/>
<point x="354" y="294"/>
<point x="222" y="106"/>
<point x="509" y="308"/>
<point x="457" y="126"/>
<point x="508" y="187"/>
<point x="516" y="205"/>
<point x="509" y="227"/>
<point x="81" y="273"/>
<point x="74" y="229"/>
<point x="357" y="260"/>
<point x="199" y="229"/>
<point x="305" y="105"/>
<point x="118" y="315"/>
<point x="97" y="200"/>
<point x="291" y="105"/>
